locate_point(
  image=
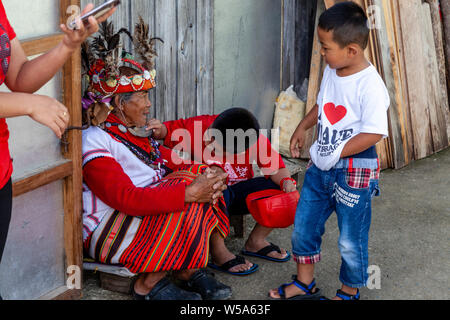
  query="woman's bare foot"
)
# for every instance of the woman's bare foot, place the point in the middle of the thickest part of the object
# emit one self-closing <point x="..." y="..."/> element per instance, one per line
<point x="145" y="283"/>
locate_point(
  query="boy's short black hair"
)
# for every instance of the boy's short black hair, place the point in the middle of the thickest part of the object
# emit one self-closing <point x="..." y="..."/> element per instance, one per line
<point x="243" y="129"/>
<point x="349" y="24"/>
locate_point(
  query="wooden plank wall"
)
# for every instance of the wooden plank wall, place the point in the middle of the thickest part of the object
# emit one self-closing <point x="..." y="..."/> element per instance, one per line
<point x="438" y="31"/>
<point x="407" y="48"/>
<point x="399" y="123"/>
<point x="299" y="19"/>
<point x="185" y="64"/>
<point x="315" y="78"/>
<point x="445" y="11"/>
<point x="428" y="105"/>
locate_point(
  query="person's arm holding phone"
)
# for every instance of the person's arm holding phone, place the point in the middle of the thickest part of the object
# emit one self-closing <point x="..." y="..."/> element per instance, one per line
<point x="28" y="76"/>
<point x="25" y="77"/>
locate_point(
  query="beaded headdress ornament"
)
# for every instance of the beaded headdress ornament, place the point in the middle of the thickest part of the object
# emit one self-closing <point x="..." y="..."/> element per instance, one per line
<point x="102" y="59"/>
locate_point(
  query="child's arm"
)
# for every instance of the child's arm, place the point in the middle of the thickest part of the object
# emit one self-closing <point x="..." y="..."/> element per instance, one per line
<point x="360" y="143"/>
<point x="288" y="185"/>
<point x="374" y="121"/>
<point x="159" y="129"/>
<point x="298" y="138"/>
<point x="192" y="131"/>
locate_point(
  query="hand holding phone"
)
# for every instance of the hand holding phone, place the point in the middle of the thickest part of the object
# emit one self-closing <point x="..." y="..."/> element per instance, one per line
<point x="96" y="13"/>
<point x="76" y="33"/>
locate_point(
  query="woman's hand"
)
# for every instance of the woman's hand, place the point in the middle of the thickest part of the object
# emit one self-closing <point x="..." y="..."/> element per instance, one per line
<point x="221" y="186"/>
<point x="49" y="112"/>
<point x="159" y="129"/>
<point x="206" y="188"/>
<point x="74" y="38"/>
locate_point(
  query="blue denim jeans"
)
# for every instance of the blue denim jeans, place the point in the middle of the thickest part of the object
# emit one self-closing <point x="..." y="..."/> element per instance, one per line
<point x="323" y="193"/>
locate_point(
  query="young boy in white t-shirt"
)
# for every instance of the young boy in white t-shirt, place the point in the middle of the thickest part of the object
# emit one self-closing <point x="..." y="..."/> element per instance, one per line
<point x="351" y="116"/>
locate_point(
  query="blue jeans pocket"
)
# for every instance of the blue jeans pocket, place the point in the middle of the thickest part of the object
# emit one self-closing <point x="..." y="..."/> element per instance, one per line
<point x="374" y="188"/>
<point x="358" y="178"/>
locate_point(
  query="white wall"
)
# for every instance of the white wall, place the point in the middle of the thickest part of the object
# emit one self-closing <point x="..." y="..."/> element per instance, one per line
<point x="33" y="18"/>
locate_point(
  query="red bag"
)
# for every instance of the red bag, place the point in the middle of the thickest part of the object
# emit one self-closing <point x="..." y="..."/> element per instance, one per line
<point x="273" y="208"/>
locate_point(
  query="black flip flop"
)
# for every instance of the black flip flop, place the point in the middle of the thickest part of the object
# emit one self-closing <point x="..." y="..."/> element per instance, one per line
<point x="166" y="290"/>
<point x="263" y="253"/>
<point x="232" y="263"/>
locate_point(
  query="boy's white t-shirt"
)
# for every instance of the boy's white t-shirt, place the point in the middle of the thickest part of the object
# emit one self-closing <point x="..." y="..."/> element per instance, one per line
<point x="348" y="106"/>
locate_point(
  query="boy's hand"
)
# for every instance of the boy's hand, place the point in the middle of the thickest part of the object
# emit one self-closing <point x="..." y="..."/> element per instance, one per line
<point x="159" y="129"/>
<point x="297" y="142"/>
<point x="289" y="187"/>
<point x="299" y="136"/>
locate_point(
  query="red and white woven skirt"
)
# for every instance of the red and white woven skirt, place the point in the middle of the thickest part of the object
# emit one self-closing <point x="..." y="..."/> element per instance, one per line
<point x="172" y="241"/>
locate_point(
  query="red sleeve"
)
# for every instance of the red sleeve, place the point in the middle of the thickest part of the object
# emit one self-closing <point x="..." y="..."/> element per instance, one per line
<point x="170" y="141"/>
<point x="268" y="159"/>
<point x="174" y="161"/>
<point x="107" y="180"/>
<point x="5" y="23"/>
<point x="191" y="133"/>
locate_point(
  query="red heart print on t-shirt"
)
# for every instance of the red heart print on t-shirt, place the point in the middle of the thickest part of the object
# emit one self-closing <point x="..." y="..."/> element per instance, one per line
<point x="333" y="113"/>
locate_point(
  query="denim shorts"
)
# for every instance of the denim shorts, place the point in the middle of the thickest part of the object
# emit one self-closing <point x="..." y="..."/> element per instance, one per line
<point x="347" y="189"/>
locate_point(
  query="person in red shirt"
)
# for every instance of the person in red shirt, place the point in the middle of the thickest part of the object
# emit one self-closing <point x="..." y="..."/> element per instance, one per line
<point x="23" y="78"/>
<point x="232" y="140"/>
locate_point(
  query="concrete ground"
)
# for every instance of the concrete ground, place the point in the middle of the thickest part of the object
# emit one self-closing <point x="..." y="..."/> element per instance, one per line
<point x="409" y="243"/>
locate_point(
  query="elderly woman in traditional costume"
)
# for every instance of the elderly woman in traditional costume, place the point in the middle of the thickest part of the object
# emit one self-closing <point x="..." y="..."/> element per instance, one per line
<point x="141" y="210"/>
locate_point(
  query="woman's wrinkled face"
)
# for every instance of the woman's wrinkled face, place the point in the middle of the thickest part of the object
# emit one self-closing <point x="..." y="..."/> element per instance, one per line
<point x="137" y="108"/>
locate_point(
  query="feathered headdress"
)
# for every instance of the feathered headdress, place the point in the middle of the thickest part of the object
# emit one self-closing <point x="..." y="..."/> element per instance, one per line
<point x="102" y="59"/>
<point x="144" y="45"/>
<point x="104" y="56"/>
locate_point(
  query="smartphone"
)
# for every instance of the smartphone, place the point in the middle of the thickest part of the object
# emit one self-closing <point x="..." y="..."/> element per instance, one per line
<point x="97" y="12"/>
